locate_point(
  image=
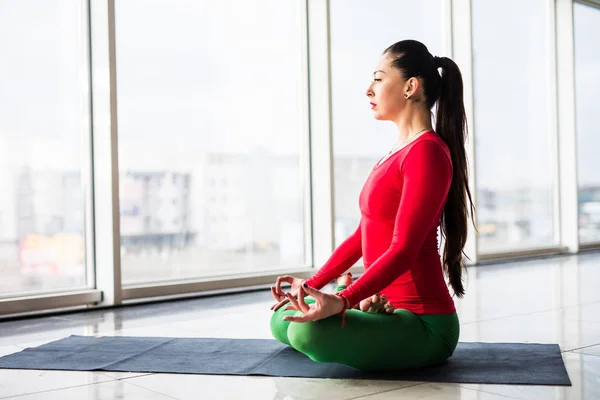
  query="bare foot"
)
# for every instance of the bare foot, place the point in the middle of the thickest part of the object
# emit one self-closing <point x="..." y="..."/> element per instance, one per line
<point x="377" y="304"/>
<point x="345" y="279"/>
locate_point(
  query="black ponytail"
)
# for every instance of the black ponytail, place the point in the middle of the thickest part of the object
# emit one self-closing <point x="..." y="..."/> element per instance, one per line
<point x="414" y="60"/>
<point x="451" y="125"/>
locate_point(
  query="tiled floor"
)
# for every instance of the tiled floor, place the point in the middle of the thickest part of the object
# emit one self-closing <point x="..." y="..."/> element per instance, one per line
<point x="553" y="300"/>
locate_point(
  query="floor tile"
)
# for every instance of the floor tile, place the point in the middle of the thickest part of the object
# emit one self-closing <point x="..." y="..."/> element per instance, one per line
<point x="584" y="372"/>
<point x="33" y="326"/>
<point x="545" y="327"/>
<point x="585" y="312"/>
<point x="153" y="331"/>
<point x="36" y="343"/>
<point x="6" y="350"/>
<point x="143" y="315"/>
<point x="508" y="289"/>
<point x="100" y="391"/>
<point x="435" y="391"/>
<point x="591" y="350"/>
<point x="193" y="387"/>
<point x="251" y="323"/>
<point x="51" y="334"/>
<point x="14" y="382"/>
<point x="124" y="375"/>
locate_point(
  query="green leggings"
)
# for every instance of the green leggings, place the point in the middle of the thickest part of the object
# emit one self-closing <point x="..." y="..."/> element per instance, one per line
<point x="371" y="341"/>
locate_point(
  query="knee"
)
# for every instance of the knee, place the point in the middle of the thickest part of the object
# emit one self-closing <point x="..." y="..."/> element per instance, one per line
<point x="306" y="338"/>
<point x="279" y="327"/>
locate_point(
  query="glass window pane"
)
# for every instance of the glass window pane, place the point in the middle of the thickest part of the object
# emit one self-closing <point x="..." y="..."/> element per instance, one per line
<point x="515" y="168"/>
<point x="359" y="141"/>
<point x="44" y="117"/>
<point x="587" y="92"/>
<point x="211" y="123"/>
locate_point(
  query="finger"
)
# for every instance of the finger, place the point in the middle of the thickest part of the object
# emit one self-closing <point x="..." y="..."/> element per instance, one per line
<point x="275" y="294"/>
<point x="278" y="286"/>
<point x="278" y="305"/>
<point x="303" y="306"/>
<point x="294" y="302"/>
<point x="295" y="318"/>
<point x="291" y="307"/>
<point x="309" y="316"/>
<point x="278" y="297"/>
<point x="285" y="278"/>
<point x="317" y="294"/>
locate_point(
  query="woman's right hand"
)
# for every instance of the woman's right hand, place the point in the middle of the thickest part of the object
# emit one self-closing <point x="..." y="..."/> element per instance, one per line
<point x="280" y="296"/>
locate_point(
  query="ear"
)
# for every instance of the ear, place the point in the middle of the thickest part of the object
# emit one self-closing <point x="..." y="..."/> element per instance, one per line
<point x="411" y="86"/>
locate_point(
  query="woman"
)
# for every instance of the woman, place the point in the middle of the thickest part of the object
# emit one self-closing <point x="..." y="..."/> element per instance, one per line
<point x="420" y="184"/>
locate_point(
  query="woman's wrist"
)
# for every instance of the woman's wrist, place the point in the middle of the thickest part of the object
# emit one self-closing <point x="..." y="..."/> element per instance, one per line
<point x="344" y="299"/>
<point x="345" y="307"/>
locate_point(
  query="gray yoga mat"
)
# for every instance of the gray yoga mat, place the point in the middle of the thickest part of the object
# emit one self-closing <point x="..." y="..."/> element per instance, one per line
<point x="502" y="363"/>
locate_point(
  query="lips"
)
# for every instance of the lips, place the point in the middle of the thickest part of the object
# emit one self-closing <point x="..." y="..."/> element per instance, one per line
<point x="372" y="104"/>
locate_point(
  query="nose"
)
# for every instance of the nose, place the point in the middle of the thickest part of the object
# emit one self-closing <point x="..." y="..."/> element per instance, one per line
<point x="370" y="91"/>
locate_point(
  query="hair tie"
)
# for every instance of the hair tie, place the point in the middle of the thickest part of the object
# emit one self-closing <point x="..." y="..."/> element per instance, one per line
<point x="436" y="61"/>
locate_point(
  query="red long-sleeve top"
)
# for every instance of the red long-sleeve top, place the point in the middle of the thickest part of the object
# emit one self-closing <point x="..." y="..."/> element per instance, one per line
<point x="401" y="205"/>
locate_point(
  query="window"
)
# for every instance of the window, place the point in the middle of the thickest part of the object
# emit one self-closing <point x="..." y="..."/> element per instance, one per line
<point x="44" y="117"/>
<point x="515" y="167"/>
<point x="587" y="92"/>
<point x="215" y="92"/>
<point x="359" y="141"/>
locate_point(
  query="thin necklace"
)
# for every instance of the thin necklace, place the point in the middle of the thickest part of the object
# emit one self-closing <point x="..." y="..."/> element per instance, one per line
<point x="404" y="144"/>
<point x="407" y="142"/>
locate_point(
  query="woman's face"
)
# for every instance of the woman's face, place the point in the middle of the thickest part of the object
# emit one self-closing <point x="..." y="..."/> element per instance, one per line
<point x="386" y="92"/>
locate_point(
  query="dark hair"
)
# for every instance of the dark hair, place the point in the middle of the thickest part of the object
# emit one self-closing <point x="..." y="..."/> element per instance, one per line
<point x="414" y="60"/>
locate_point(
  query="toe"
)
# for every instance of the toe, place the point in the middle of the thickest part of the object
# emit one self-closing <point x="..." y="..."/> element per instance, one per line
<point x="365" y="305"/>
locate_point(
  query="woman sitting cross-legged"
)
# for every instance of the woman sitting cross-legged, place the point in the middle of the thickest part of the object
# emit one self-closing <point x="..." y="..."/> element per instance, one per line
<point x="399" y="313"/>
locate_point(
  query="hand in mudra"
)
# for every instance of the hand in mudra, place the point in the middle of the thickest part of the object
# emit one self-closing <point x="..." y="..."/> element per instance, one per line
<point x="280" y="295"/>
<point x="325" y="305"/>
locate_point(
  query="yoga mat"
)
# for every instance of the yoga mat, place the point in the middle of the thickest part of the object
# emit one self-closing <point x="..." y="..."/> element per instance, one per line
<point x="500" y="363"/>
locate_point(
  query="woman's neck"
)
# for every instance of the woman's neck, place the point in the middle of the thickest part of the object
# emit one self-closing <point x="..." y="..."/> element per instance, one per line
<point x="412" y="123"/>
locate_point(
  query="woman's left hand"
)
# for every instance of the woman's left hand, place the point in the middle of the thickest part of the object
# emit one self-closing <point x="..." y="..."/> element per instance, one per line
<point x="325" y="305"/>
